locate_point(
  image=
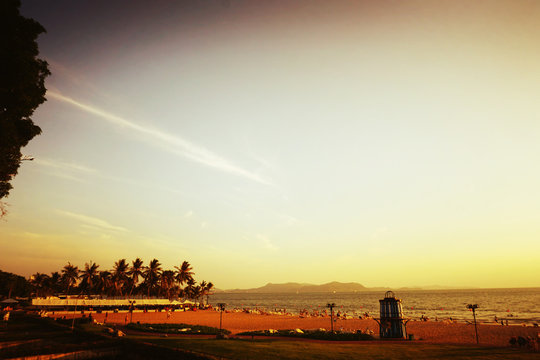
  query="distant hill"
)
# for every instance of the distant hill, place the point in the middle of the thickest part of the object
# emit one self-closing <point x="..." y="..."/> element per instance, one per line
<point x="338" y="287"/>
<point x="292" y="287"/>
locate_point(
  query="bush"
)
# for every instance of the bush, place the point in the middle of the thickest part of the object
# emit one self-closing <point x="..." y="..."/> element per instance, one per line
<point x="177" y="329"/>
<point x="78" y="321"/>
<point x="312" y="334"/>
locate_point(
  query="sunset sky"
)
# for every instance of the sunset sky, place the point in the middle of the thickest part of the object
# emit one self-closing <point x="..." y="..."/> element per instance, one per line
<point x="391" y="143"/>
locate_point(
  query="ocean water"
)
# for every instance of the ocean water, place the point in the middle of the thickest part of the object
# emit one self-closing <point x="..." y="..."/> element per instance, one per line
<point x="515" y="305"/>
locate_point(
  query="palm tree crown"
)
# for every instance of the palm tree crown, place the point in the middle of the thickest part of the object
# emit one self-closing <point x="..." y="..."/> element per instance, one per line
<point x="70" y="275"/>
<point x="184" y="273"/>
<point x="89" y="276"/>
<point x="152" y="274"/>
<point x="122" y="280"/>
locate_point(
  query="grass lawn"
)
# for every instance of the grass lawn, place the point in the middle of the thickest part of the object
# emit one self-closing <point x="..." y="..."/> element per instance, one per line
<point x="44" y="336"/>
<point x="285" y="349"/>
<point x="30" y="335"/>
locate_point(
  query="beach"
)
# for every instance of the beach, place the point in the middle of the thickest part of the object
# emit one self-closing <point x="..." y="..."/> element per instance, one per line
<point x="440" y="332"/>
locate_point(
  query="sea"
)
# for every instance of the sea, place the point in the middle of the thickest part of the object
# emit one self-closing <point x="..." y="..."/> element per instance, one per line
<point x="515" y="306"/>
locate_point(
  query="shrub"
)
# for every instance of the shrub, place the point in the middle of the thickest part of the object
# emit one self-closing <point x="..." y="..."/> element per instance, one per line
<point x="312" y="334"/>
<point x="177" y="329"/>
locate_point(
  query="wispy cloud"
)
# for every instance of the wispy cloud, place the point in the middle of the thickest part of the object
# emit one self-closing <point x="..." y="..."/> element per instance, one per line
<point x="65" y="170"/>
<point x="289" y="220"/>
<point x="266" y="242"/>
<point x="176" y="144"/>
<point x="58" y="164"/>
<point x="89" y="221"/>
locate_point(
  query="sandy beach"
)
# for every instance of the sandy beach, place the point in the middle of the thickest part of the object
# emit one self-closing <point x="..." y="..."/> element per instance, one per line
<point x="236" y="322"/>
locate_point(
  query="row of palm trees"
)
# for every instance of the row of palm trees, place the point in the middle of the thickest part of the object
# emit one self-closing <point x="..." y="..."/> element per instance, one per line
<point x="123" y="280"/>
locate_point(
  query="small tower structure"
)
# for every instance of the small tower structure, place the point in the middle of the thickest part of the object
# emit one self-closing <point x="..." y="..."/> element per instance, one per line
<point x="391" y="324"/>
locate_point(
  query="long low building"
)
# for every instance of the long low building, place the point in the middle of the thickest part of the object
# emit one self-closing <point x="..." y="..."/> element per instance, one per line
<point x="108" y="303"/>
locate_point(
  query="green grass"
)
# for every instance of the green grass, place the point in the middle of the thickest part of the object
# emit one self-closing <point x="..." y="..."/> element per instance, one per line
<point x="270" y="349"/>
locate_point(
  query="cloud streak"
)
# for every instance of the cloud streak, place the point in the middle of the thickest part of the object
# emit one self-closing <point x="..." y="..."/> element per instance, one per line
<point x="57" y="164"/>
<point x="92" y="221"/>
<point x="266" y="242"/>
<point x="177" y="145"/>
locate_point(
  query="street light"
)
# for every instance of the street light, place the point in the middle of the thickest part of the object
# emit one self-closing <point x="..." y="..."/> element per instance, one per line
<point x="131" y="302"/>
<point x="331" y="306"/>
<point x="221" y="307"/>
<point x="473" y="307"/>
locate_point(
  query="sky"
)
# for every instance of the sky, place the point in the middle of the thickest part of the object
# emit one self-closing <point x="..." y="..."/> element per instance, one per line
<point x="390" y="143"/>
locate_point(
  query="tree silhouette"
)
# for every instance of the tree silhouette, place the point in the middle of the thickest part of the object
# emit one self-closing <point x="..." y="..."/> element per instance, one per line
<point x="122" y="280"/>
<point x="70" y="275"/>
<point x="120" y="276"/>
<point x="167" y="282"/>
<point x="89" y="277"/>
<point x="135" y="271"/>
<point x="22" y="88"/>
<point x="184" y="272"/>
<point x="151" y="275"/>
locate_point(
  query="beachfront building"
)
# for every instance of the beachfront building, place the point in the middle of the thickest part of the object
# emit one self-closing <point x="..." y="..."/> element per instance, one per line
<point x="91" y="304"/>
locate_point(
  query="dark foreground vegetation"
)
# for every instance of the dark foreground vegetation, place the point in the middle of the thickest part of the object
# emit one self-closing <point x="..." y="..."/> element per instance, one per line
<point x="177" y="329"/>
<point x="312" y="334"/>
<point x="27" y="335"/>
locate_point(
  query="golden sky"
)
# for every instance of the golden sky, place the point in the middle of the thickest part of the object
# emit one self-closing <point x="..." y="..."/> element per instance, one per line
<point x="391" y="143"/>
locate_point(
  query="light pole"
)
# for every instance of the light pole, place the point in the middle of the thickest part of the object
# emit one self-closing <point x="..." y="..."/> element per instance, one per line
<point x="331" y="306"/>
<point x="221" y="307"/>
<point x="74" y="311"/>
<point x="473" y="307"/>
<point x="131" y="302"/>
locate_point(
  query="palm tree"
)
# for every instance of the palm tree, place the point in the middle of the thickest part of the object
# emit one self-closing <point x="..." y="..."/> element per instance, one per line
<point x="202" y="291"/>
<point x="54" y="283"/>
<point x="119" y="275"/>
<point x="208" y="288"/>
<point x="184" y="273"/>
<point x="70" y="275"/>
<point x="151" y="275"/>
<point x="167" y="282"/>
<point x="40" y="283"/>
<point x="135" y="272"/>
<point x="189" y="290"/>
<point x="89" y="277"/>
<point x="105" y="283"/>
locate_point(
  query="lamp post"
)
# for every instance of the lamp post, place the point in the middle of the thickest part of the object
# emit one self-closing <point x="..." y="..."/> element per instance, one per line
<point x="131" y="302"/>
<point x="331" y="306"/>
<point x="221" y="307"/>
<point x="74" y="311"/>
<point x="473" y="307"/>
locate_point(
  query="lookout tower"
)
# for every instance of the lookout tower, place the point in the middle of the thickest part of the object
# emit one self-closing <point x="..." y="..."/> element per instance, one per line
<point x="391" y="324"/>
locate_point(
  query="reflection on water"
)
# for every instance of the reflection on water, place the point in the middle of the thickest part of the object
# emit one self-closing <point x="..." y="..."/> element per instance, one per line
<point x="514" y="305"/>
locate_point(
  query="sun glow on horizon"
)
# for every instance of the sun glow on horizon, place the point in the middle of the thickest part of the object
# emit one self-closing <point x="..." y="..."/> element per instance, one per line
<point x="385" y="143"/>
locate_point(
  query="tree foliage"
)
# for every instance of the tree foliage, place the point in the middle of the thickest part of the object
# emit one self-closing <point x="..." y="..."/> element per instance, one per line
<point x="12" y="285"/>
<point x="22" y="87"/>
<point x="123" y="280"/>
